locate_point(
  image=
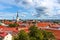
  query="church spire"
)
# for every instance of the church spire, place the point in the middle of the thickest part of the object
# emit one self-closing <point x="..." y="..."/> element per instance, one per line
<point x="17" y="17"/>
<point x="17" y="14"/>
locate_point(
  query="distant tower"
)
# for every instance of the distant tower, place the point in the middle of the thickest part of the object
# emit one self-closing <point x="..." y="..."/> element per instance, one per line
<point x="13" y="18"/>
<point x="17" y="17"/>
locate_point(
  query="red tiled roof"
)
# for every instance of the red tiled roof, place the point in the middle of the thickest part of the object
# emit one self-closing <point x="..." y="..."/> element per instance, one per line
<point x="42" y="24"/>
<point x="1" y="26"/>
<point x="11" y="29"/>
<point x="54" y="25"/>
<point x="56" y="33"/>
<point x="3" y="34"/>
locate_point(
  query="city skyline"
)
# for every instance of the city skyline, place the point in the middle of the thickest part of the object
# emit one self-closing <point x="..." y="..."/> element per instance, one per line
<point x="30" y="9"/>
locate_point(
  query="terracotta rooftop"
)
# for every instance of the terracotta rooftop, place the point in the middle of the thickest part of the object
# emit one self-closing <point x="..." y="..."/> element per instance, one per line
<point x="39" y="24"/>
<point x="56" y="33"/>
<point x="42" y="24"/>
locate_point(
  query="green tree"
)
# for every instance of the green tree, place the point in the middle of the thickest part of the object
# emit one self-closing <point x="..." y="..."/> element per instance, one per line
<point x="35" y="33"/>
<point x="15" y="38"/>
<point x="13" y="25"/>
<point x="22" y="35"/>
<point x="33" y="38"/>
<point x="48" y="35"/>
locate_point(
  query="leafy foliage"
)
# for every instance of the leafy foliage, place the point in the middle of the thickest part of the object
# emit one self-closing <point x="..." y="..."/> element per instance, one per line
<point x="13" y="25"/>
<point x="48" y="35"/>
<point x="22" y="35"/>
<point x="35" y="34"/>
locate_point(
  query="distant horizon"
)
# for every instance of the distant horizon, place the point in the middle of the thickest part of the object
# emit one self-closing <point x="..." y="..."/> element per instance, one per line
<point x="31" y="19"/>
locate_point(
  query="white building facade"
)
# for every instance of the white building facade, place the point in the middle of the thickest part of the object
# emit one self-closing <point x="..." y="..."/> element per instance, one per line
<point x="8" y="37"/>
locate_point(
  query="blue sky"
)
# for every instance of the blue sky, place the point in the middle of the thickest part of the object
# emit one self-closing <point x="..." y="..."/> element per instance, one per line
<point x="30" y="9"/>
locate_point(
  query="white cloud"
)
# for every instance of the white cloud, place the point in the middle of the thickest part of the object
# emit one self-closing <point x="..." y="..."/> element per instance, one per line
<point x="7" y="15"/>
<point x="23" y="14"/>
<point x="11" y="2"/>
<point x="33" y="14"/>
<point x="4" y="7"/>
<point x="49" y="4"/>
<point x="58" y="11"/>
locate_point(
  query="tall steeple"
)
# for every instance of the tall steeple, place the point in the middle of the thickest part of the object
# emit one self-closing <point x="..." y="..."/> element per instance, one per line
<point x="17" y="17"/>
